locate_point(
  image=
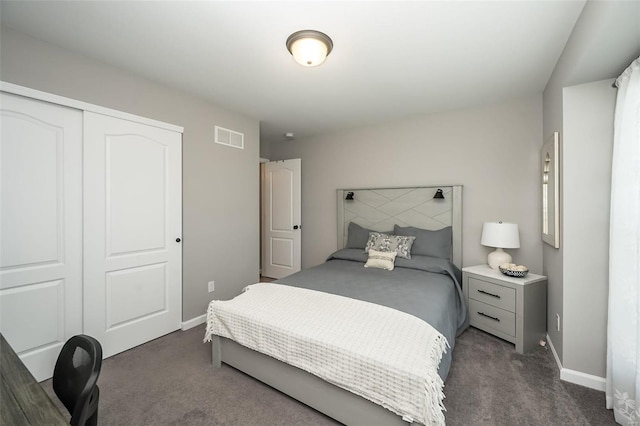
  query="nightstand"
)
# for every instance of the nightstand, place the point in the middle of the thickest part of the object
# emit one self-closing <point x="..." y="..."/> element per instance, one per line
<point x="514" y="309"/>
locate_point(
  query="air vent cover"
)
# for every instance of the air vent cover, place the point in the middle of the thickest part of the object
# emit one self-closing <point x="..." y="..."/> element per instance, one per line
<point x="229" y="137"/>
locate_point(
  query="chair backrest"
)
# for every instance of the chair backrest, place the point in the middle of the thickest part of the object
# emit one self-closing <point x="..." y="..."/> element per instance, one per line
<point x="75" y="377"/>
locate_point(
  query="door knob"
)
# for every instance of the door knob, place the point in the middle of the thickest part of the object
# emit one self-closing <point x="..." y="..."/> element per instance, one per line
<point x="178" y="240"/>
<point x="295" y="226"/>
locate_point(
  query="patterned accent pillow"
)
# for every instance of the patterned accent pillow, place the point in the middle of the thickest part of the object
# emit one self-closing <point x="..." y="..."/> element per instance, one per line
<point x="387" y="243"/>
<point x="357" y="236"/>
<point x="381" y="260"/>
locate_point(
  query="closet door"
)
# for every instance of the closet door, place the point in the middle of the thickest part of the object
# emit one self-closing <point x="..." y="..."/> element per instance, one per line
<point x="40" y="229"/>
<point x="132" y="232"/>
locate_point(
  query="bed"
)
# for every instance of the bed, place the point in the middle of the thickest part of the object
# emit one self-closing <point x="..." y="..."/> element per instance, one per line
<point x="426" y="286"/>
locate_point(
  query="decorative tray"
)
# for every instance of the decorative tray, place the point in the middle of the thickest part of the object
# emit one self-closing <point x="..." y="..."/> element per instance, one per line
<point x="514" y="271"/>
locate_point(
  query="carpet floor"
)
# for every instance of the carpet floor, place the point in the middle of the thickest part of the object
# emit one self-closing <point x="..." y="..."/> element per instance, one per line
<point x="170" y="381"/>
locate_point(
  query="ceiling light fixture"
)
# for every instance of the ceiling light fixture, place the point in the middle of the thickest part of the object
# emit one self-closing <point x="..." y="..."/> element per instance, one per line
<point x="309" y="47"/>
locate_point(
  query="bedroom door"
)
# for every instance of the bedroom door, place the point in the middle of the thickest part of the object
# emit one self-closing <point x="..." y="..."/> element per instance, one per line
<point x="281" y="228"/>
<point x="40" y="228"/>
<point x="132" y="232"/>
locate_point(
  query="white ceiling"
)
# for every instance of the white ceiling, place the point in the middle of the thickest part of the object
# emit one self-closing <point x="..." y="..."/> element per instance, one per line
<point x="390" y="59"/>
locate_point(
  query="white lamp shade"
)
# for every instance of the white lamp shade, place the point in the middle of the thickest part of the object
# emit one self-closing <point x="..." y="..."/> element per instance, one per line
<point x="309" y="52"/>
<point x="500" y="235"/>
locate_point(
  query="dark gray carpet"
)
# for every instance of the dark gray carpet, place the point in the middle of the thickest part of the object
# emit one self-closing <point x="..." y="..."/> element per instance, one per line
<point x="490" y="384"/>
<point x="170" y="381"/>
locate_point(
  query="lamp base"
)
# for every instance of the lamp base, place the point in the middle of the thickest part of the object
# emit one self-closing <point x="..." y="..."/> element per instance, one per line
<point x="497" y="258"/>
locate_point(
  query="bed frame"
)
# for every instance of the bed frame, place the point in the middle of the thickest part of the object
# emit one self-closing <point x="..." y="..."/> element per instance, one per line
<point x="377" y="209"/>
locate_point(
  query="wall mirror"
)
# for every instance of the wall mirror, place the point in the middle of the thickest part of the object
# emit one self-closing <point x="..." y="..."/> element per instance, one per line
<point x="550" y="191"/>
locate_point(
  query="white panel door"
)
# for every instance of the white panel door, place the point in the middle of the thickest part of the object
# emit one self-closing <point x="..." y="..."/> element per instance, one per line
<point x="40" y="229"/>
<point x="281" y="231"/>
<point x="132" y="231"/>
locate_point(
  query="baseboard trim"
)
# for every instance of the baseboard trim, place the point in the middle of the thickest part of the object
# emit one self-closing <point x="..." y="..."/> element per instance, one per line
<point x="194" y="322"/>
<point x="578" y="377"/>
<point x="583" y="379"/>
<point x="553" y="351"/>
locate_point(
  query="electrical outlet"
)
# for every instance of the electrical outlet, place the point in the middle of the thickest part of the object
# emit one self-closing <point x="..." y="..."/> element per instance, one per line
<point x="558" y="322"/>
<point x="212" y="286"/>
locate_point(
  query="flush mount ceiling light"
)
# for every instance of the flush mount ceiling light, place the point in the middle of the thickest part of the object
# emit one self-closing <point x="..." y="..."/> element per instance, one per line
<point x="309" y="47"/>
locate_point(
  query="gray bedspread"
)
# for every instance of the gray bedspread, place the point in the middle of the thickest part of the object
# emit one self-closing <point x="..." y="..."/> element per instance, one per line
<point x="426" y="287"/>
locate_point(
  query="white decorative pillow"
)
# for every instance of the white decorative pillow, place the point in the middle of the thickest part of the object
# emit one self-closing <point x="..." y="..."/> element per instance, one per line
<point x="381" y="260"/>
<point x="388" y="243"/>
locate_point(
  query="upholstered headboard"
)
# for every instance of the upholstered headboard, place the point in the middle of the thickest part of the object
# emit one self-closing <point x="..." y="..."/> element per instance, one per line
<point x="380" y="209"/>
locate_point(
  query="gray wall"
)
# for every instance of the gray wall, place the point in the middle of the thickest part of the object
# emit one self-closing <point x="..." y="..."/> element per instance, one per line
<point x="220" y="184"/>
<point x="605" y="40"/>
<point x="492" y="150"/>
<point x="588" y="111"/>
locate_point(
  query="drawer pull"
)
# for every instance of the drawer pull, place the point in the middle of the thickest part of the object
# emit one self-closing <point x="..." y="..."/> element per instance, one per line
<point x="489" y="294"/>
<point x="489" y="316"/>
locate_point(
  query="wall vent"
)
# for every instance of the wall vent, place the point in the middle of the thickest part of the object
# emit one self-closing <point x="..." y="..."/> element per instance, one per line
<point x="229" y="137"/>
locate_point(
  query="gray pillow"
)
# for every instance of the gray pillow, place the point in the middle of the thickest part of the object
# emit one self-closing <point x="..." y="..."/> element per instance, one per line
<point x="358" y="236"/>
<point x="428" y="243"/>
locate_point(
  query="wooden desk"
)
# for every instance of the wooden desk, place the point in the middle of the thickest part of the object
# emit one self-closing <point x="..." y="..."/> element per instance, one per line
<point x="22" y="400"/>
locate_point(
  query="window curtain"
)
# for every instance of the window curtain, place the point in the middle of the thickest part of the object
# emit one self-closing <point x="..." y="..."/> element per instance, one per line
<point x="623" y="330"/>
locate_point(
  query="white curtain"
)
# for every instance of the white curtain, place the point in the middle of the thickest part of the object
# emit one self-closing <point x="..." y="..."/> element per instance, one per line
<point x="623" y="332"/>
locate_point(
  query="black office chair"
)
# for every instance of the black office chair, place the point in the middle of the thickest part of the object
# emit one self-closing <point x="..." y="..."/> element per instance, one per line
<point x="75" y="378"/>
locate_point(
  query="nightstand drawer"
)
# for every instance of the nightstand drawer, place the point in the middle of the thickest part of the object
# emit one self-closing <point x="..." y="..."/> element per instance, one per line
<point x="498" y="319"/>
<point x="492" y="294"/>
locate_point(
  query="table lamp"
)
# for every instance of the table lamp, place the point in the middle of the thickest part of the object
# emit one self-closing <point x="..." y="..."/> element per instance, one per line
<point x="501" y="236"/>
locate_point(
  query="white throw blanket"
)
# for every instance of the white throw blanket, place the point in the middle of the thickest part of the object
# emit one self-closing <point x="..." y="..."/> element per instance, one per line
<point x="384" y="355"/>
